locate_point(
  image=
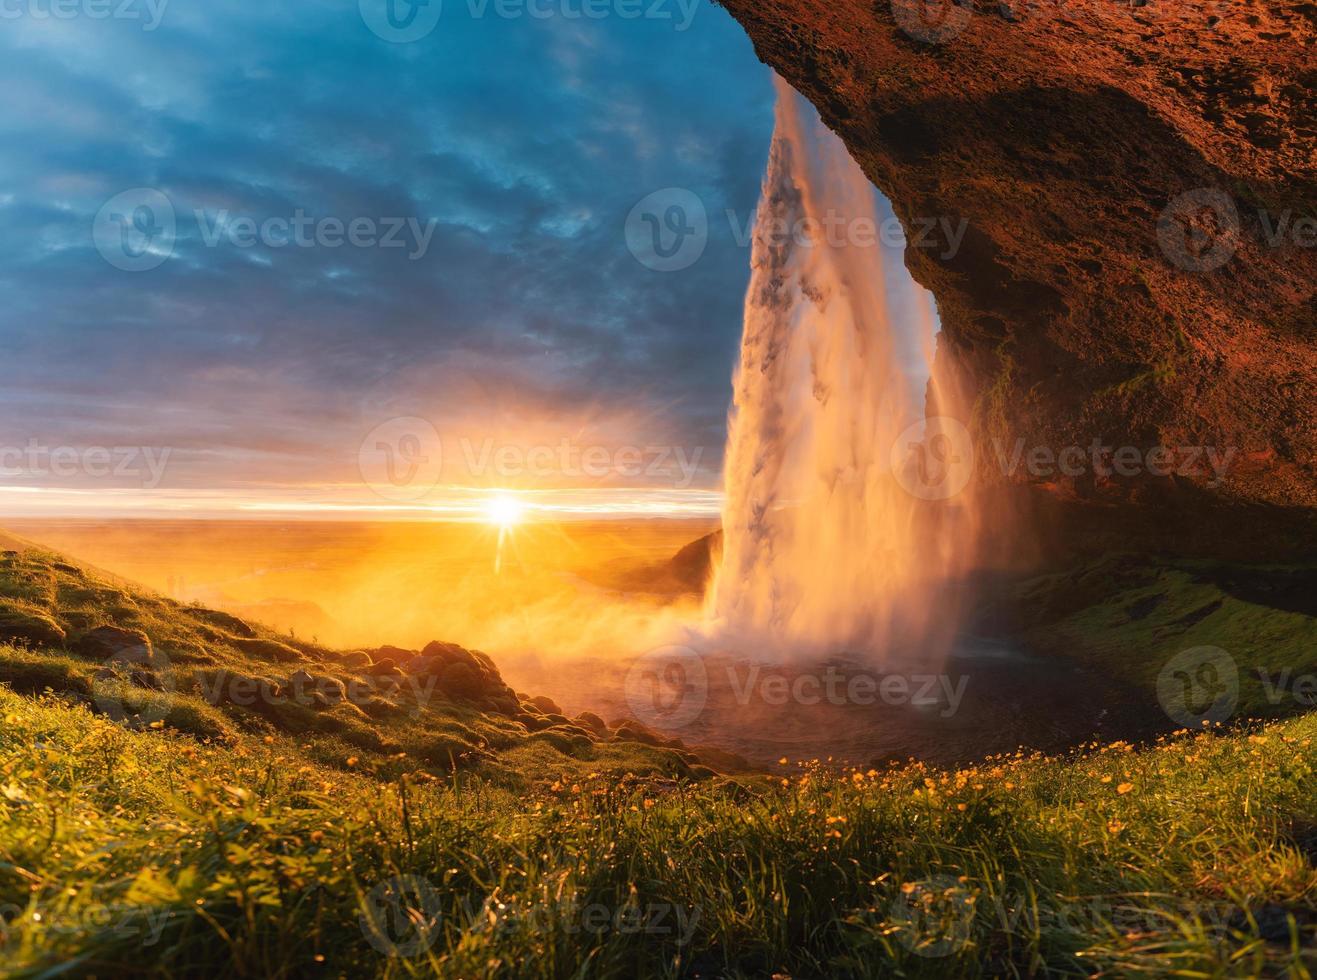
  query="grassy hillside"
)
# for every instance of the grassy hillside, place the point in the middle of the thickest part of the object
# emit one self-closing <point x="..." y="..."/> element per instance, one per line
<point x="148" y="853"/>
<point x="403" y="813"/>
<point x="150" y="662"/>
<point x="1144" y="620"/>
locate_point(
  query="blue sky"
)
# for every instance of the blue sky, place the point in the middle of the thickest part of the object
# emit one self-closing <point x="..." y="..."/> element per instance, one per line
<point x="520" y="143"/>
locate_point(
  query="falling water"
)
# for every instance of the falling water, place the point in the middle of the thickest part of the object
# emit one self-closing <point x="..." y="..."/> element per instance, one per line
<point x="825" y="549"/>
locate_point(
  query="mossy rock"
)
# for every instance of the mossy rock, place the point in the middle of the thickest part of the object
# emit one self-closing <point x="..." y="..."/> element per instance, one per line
<point x="347" y="712"/>
<point x="32" y="673"/>
<point x="198" y="719"/>
<point x="533" y="723"/>
<point x="24" y="624"/>
<point x="291" y="717"/>
<point x="462" y="681"/>
<point x="356" y="660"/>
<point x="265" y="649"/>
<point x="503" y="705"/>
<point x="546" y="706"/>
<point x="591" y="721"/>
<point x="448" y="752"/>
<point x="567" y="739"/>
<point x="104" y="642"/>
<point x="633" y="731"/>
<point x="215" y="617"/>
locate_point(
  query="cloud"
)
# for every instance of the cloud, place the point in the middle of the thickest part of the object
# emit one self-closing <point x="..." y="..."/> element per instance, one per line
<point x="524" y="143"/>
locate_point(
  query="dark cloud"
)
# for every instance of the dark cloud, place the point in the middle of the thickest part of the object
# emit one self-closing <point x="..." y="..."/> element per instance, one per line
<point x="525" y="142"/>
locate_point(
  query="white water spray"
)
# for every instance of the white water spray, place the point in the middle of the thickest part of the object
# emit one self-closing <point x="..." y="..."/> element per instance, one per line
<point x="825" y="551"/>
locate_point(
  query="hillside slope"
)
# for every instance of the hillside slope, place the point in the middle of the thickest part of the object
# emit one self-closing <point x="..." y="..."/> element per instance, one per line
<point x="148" y="662"/>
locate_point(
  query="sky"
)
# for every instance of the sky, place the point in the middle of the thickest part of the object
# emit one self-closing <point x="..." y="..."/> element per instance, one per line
<point x="317" y="256"/>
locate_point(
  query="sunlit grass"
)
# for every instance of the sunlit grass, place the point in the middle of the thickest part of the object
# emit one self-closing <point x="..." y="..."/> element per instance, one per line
<point x="148" y="852"/>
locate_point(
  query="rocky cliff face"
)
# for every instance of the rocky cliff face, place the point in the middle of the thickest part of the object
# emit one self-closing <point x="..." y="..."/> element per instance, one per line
<point x="1139" y="186"/>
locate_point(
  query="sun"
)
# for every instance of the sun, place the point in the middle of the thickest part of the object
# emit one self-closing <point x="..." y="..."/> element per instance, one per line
<point x="504" y="510"/>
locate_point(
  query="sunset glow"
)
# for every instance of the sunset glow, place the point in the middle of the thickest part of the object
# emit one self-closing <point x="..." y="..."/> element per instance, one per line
<point x="504" y="511"/>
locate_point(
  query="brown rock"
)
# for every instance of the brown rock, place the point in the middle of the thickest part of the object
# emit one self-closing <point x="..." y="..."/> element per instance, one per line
<point x="591" y="721"/>
<point x="547" y="706"/>
<point x="1061" y="133"/>
<point x="105" y="642"/>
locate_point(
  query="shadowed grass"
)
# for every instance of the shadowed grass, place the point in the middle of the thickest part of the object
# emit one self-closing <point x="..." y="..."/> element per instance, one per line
<point x="1130" y="615"/>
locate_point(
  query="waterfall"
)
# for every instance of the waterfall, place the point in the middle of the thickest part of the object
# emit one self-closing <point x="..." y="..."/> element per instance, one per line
<point x="826" y="549"/>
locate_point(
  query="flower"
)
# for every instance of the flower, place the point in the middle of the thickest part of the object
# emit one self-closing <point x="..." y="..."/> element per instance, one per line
<point x="1124" y="788"/>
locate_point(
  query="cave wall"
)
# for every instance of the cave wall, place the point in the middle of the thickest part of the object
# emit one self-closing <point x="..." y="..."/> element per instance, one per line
<point x="1139" y="186"/>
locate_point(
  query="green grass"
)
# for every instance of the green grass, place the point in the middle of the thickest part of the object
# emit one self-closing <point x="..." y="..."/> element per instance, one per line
<point x="149" y="827"/>
<point x="150" y="853"/>
<point x="1130" y="615"/>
